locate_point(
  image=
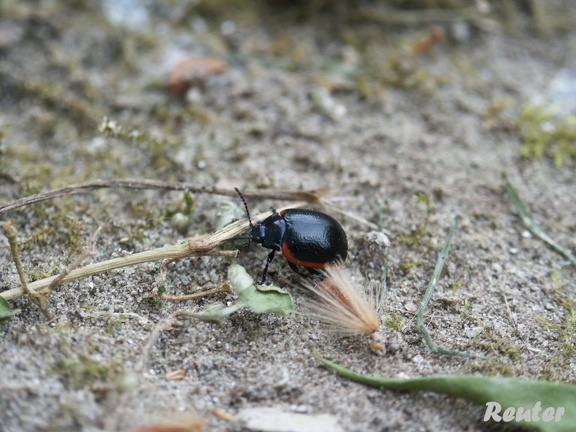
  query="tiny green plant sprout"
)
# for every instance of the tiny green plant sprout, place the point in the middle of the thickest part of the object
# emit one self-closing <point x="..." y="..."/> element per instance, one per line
<point x="547" y="134"/>
<point x="531" y="224"/>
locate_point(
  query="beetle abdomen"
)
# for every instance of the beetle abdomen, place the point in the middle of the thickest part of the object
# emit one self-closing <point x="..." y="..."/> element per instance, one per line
<point x="312" y="239"/>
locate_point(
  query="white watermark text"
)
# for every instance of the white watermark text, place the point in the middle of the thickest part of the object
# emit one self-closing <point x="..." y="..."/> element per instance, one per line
<point x="532" y="414"/>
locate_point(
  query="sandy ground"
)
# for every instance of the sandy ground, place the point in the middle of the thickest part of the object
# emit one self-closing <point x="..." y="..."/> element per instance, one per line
<point x="285" y="114"/>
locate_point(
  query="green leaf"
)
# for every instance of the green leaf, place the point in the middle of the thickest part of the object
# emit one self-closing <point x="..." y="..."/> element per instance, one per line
<point x="215" y="313"/>
<point x="260" y="299"/>
<point x="270" y="299"/>
<point x="537" y="396"/>
<point x="5" y="311"/>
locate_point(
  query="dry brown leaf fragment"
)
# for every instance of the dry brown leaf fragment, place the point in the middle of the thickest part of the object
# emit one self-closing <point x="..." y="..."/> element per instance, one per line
<point x="224" y="415"/>
<point x="178" y="423"/>
<point x="193" y="71"/>
<point x="175" y="375"/>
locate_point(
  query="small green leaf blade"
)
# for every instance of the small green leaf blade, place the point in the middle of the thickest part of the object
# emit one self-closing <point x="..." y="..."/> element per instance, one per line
<point x="5" y="311"/>
<point x="508" y="392"/>
<point x="260" y="299"/>
<point x="271" y="299"/>
<point x="215" y="313"/>
<point x="531" y="224"/>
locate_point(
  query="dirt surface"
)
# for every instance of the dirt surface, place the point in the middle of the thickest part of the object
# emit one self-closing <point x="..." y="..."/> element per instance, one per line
<point x="292" y="104"/>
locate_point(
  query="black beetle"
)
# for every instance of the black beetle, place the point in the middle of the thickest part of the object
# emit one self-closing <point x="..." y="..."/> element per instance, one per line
<point x="306" y="238"/>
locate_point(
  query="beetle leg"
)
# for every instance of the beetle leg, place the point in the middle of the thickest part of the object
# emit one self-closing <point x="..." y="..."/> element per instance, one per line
<point x="316" y="273"/>
<point x="293" y="267"/>
<point x="313" y="271"/>
<point x="265" y="271"/>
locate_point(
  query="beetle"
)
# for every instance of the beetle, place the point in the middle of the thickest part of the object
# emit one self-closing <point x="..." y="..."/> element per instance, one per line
<point x="306" y="238"/>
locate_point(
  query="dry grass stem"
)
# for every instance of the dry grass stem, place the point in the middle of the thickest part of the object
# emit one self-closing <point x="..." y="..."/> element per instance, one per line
<point x="162" y="325"/>
<point x="37" y="298"/>
<point x="175" y="423"/>
<point x="205" y="245"/>
<point x="198" y="246"/>
<point x="391" y="16"/>
<point x="311" y="196"/>
<point x="224" y="415"/>
<point x="225" y="287"/>
<point x="348" y="214"/>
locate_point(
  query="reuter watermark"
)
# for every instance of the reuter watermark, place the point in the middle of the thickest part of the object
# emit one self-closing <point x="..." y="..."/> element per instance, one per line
<point x="533" y="414"/>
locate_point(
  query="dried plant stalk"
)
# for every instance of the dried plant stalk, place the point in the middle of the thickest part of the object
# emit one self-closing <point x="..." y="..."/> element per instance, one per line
<point x="196" y="246"/>
<point x="311" y="196"/>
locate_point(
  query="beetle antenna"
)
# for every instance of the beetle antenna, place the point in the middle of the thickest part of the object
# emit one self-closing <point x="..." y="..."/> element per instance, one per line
<point x="245" y="206"/>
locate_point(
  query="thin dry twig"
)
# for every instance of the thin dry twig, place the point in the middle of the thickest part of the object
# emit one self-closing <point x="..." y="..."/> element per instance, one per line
<point x="391" y="16"/>
<point x="36" y="297"/>
<point x="197" y="246"/>
<point x="311" y="196"/>
<point x="163" y="324"/>
<point x="225" y="287"/>
<point x="348" y="214"/>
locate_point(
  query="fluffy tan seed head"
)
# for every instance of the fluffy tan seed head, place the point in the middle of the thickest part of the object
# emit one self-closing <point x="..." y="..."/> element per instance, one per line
<point x="342" y="307"/>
